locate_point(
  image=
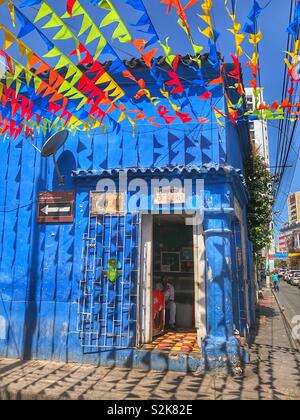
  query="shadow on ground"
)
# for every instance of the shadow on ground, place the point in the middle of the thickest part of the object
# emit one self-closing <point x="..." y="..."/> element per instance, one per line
<point x="274" y="374"/>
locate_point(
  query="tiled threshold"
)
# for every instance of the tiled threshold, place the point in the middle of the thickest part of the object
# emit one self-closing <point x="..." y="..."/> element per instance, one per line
<point x="175" y="341"/>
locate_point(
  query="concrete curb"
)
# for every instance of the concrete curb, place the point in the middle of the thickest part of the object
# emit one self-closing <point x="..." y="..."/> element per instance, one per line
<point x="286" y="322"/>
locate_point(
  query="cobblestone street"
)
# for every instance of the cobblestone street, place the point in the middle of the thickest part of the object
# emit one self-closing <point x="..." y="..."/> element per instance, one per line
<point x="274" y="374"/>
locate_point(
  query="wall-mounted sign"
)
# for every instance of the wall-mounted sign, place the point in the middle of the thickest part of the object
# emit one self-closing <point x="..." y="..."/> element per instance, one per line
<point x="55" y="207"/>
<point x="283" y="256"/>
<point x="169" y="195"/>
<point x="107" y="203"/>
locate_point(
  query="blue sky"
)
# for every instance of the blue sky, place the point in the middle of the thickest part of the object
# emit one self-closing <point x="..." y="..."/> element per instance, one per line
<point x="273" y="23"/>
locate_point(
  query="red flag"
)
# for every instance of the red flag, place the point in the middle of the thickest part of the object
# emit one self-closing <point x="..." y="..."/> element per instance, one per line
<point x="185" y="118"/>
<point x="286" y="104"/>
<point x="180" y="10"/>
<point x="175" y="63"/>
<point x="275" y="106"/>
<point x="70" y="6"/>
<point x="203" y="120"/>
<point x="175" y="82"/>
<point x="163" y="113"/>
<point x="206" y="95"/>
<point x="262" y="107"/>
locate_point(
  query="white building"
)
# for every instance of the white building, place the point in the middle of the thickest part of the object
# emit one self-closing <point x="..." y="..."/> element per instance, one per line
<point x="258" y="129"/>
<point x="260" y="142"/>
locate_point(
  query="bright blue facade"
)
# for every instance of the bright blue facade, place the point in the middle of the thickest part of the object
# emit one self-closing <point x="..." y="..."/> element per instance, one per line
<point x="41" y="265"/>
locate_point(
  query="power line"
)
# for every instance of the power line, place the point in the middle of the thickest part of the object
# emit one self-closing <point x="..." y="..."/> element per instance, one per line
<point x="286" y="136"/>
<point x="284" y="87"/>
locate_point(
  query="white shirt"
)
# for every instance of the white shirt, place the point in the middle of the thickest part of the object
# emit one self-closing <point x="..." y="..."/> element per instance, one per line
<point x="170" y="293"/>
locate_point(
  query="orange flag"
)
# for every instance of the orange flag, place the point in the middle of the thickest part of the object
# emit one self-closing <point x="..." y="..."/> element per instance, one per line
<point x="148" y="57"/>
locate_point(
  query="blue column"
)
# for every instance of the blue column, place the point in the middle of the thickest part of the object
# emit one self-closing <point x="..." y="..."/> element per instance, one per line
<point x="238" y="255"/>
<point x="235" y="286"/>
<point x="252" y="299"/>
<point x="220" y="347"/>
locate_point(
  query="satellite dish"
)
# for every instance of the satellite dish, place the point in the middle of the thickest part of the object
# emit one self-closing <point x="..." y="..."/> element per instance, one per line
<point x="52" y="146"/>
<point x="295" y="70"/>
<point x="3" y="67"/>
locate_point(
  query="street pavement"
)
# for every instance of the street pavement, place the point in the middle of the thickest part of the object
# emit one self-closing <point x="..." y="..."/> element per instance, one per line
<point x="273" y="374"/>
<point x="289" y="298"/>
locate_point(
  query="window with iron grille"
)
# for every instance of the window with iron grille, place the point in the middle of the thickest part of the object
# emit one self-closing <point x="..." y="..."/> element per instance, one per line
<point x="107" y="310"/>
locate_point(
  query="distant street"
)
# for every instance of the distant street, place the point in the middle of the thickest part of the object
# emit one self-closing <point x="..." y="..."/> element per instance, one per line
<point x="289" y="297"/>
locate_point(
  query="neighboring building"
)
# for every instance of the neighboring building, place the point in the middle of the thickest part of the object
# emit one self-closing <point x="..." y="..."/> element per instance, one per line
<point x="258" y="128"/>
<point x="82" y="290"/>
<point x="289" y="243"/>
<point x="283" y="243"/>
<point x="294" y="208"/>
<point x="260" y="145"/>
<point x="289" y="239"/>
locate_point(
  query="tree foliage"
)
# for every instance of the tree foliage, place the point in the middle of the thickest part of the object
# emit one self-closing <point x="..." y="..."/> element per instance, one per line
<point x="260" y="185"/>
<point x="281" y="264"/>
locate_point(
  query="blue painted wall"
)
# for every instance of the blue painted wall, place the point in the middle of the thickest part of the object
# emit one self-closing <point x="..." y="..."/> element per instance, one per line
<point x="40" y="265"/>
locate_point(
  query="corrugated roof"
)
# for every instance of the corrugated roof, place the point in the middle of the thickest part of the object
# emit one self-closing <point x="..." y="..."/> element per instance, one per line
<point x="211" y="169"/>
<point x="202" y="169"/>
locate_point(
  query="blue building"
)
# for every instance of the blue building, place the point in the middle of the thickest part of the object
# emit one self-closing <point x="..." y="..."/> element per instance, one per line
<point x="82" y="290"/>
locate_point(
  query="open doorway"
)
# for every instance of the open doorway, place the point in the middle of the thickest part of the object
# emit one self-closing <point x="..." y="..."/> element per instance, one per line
<point x="173" y="284"/>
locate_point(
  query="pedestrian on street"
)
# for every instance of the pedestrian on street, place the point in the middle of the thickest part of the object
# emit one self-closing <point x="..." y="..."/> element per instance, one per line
<point x="275" y="278"/>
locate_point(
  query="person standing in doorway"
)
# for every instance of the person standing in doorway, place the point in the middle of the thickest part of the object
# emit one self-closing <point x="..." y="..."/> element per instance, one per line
<point x="169" y="291"/>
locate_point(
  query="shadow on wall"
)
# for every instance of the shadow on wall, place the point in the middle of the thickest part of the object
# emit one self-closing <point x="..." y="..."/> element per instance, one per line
<point x="66" y="163"/>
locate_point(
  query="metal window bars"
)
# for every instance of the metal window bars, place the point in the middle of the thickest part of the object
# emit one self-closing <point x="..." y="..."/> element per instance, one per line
<point x="107" y="311"/>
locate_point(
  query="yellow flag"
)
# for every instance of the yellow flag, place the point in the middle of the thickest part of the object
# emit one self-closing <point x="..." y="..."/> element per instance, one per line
<point x="44" y="11"/>
<point x="12" y="12"/>
<point x="8" y="40"/>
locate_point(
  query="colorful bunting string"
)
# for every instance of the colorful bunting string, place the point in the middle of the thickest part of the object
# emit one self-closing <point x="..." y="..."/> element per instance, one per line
<point x="55" y="79"/>
<point x="76" y="76"/>
<point x="63" y="94"/>
<point x="39" y="86"/>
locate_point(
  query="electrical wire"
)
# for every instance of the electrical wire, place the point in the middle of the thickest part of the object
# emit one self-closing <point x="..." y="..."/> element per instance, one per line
<point x="287" y="130"/>
<point x="284" y="89"/>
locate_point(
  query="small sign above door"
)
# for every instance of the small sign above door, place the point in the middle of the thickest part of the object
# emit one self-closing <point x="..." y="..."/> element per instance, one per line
<point x="107" y="203"/>
<point x="169" y="195"/>
<point x="55" y="207"/>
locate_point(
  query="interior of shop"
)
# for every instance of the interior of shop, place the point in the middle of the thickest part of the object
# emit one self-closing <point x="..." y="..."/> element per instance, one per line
<point x="173" y="261"/>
